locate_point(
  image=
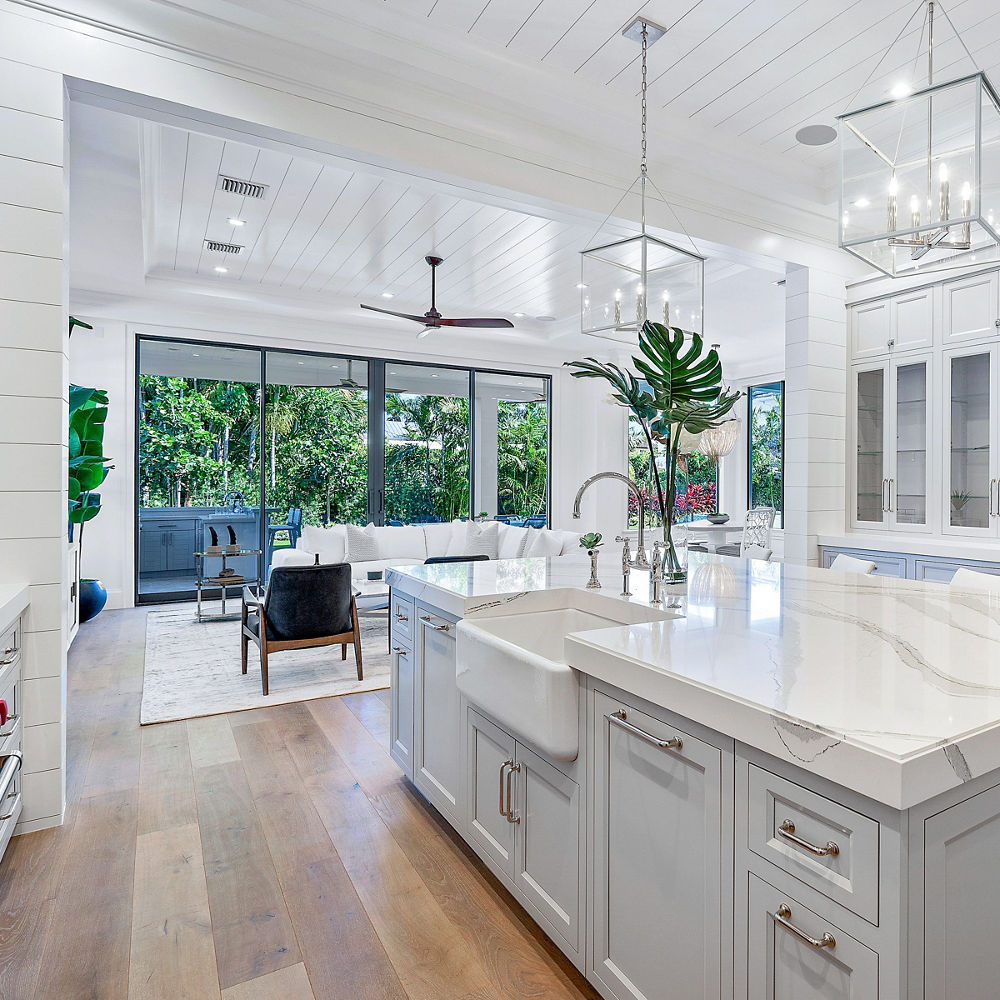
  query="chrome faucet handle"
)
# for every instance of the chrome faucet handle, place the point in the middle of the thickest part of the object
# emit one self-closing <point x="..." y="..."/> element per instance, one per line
<point x="626" y="562"/>
<point x="656" y="573"/>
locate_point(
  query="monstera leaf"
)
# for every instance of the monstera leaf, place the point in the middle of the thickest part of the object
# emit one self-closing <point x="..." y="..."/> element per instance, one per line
<point x="628" y="390"/>
<point x="677" y="370"/>
<point x="693" y="417"/>
<point x="88" y="467"/>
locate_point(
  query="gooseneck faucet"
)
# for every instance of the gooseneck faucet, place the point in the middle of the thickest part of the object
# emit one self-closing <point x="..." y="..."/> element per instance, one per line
<point x="640" y="561"/>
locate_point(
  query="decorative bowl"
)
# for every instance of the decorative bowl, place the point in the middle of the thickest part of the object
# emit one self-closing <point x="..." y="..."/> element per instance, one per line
<point x="716" y="518"/>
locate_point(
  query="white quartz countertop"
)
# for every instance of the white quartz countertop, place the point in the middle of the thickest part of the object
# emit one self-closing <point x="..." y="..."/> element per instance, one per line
<point x="13" y="600"/>
<point x="888" y="687"/>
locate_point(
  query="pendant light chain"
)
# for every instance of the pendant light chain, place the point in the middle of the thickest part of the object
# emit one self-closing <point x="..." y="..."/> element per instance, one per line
<point x="642" y="162"/>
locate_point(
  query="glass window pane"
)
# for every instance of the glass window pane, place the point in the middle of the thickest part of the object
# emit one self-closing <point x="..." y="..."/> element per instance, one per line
<point x="199" y="460"/>
<point x="970" y="441"/>
<point x="910" y="489"/>
<point x="871" y="445"/>
<point x="766" y="441"/>
<point x="315" y="442"/>
<point x="426" y="443"/>
<point x="640" y="469"/>
<point x="512" y="448"/>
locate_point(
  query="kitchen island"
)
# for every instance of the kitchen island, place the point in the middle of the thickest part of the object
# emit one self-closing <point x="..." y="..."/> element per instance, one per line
<point x="784" y="782"/>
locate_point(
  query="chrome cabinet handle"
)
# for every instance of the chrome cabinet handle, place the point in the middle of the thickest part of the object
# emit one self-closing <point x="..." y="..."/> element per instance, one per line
<point x="787" y="830"/>
<point x="511" y="818"/>
<point x="619" y="719"/>
<point x="437" y="628"/>
<point x="399" y="649"/>
<point x="503" y="810"/>
<point x="992" y="484"/>
<point x="11" y="765"/>
<point x="400" y="617"/>
<point x="13" y="721"/>
<point x="891" y="483"/>
<point x="994" y="507"/>
<point x="885" y="505"/>
<point x="780" y="917"/>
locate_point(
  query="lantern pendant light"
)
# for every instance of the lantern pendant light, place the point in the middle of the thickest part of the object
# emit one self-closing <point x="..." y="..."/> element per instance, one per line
<point x="920" y="172"/>
<point x="624" y="282"/>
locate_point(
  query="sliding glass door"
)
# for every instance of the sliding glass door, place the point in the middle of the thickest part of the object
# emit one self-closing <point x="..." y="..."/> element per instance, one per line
<point x="323" y="439"/>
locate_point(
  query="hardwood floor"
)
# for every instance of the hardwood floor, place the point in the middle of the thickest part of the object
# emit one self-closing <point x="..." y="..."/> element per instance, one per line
<point x="274" y="853"/>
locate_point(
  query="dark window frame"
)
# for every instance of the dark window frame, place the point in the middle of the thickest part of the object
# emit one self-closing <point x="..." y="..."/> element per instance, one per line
<point x="780" y="384"/>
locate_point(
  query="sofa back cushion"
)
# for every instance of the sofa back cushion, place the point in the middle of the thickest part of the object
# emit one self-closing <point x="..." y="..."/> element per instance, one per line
<point x="542" y="543"/>
<point x="439" y="536"/>
<point x="401" y="543"/>
<point x="512" y="541"/>
<point x="569" y="541"/>
<point x="330" y="542"/>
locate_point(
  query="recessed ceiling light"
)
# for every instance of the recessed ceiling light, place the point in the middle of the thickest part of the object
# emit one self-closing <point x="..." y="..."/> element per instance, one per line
<point x="221" y="270"/>
<point x="519" y="315"/>
<point x="546" y="319"/>
<point x="334" y="366"/>
<point x="816" y="135"/>
<point x="195" y="355"/>
<point x="438" y="376"/>
<point x="581" y="284"/>
<point x="387" y="295"/>
<point x="233" y="221"/>
<point x="862" y="203"/>
<point x="901" y="89"/>
<point x="301" y="362"/>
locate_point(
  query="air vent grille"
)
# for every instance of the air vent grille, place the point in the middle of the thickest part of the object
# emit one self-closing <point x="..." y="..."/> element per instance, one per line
<point x="245" y="189"/>
<point x="217" y="247"/>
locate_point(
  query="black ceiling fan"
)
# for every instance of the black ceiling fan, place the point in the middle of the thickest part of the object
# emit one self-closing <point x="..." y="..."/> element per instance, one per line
<point x="433" y="320"/>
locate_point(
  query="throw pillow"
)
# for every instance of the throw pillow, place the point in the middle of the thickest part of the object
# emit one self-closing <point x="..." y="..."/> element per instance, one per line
<point x="482" y="539"/>
<point x="545" y="543"/>
<point x="362" y="544"/>
<point x="512" y="541"/>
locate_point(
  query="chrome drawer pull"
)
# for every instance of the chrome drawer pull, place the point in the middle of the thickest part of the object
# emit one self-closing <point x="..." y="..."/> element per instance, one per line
<point x="399" y="649"/>
<point x="437" y="628"/>
<point x="511" y="818"/>
<point x="780" y="917"/>
<point x="787" y="830"/>
<point x="503" y="810"/>
<point x="11" y="765"/>
<point x="13" y="720"/>
<point x="401" y="617"/>
<point x="619" y="719"/>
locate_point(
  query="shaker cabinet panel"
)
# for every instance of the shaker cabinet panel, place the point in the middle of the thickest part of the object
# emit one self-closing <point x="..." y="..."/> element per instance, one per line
<point x="658" y="843"/>
<point x="491" y="754"/>
<point x="437" y="767"/>
<point x="871" y="329"/>
<point x="969" y="308"/>
<point x="401" y="721"/>
<point x="913" y="320"/>
<point x="793" y="953"/>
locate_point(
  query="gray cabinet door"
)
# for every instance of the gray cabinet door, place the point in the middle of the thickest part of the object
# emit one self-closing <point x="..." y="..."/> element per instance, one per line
<point x="152" y="550"/>
<point x="657" y="855"/>
<point x="547" y="855"/>
<point x="491" y="753"/>
<point x="180" y="549"/>
<point x="783" y="965"/>
<point x="437" y="768"/>
<point x="401" y="715"/>
<point x="961" y="889"/>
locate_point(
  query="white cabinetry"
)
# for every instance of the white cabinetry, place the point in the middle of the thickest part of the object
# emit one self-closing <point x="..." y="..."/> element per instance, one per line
<point x="657" y="854"/>
<point x="903" y="323"/>
<point x="969" y="308"/>
<point x="526" y="822"/>
<point x="437" y="743"/>
<point x="401" y="713"/>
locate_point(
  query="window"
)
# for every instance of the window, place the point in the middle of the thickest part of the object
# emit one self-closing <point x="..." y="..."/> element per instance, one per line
<point x="766" y="444"/>
<point x="696" y="483"/>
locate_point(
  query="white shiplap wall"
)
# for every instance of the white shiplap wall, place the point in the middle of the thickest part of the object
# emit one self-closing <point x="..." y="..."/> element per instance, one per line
<point x="33" y="414"/>
<point x="815" y="409"/>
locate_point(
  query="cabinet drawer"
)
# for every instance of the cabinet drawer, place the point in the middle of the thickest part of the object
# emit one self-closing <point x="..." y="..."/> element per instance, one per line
<point x="822" y="843"/>
<point x="10" y="644"/>
<point x="401" y="619"/>
<point x="794" y="953"/>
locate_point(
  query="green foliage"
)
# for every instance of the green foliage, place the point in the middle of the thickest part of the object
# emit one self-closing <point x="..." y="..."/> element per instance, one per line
<point x="88" y="468"/>
<point x="591" y="540"/>
<point x="765" y="457"/>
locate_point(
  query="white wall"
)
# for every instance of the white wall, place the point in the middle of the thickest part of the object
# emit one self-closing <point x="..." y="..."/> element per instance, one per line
<point x="588" y="433"/>
<point x="33" y="414"/>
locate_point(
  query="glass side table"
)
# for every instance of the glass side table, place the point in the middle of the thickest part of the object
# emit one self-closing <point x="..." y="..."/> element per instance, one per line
<point x="222" y="582"/>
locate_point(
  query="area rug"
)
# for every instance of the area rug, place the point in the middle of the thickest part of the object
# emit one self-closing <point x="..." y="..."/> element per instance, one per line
<point x="192" y="668"/>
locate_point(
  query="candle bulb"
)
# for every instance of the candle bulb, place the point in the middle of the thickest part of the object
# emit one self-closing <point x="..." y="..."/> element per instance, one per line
<point x="640" y="306"/>
<point x="666" y="308"/>
<point x="944" y="194"/>
<point x="915" y="212"/>
<point x="893" y="190"/>
<point x="618" y="307"/>
<point x="966" y="200"/>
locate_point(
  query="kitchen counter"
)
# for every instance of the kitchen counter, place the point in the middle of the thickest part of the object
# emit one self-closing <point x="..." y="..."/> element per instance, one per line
<point x="890" y="688"/>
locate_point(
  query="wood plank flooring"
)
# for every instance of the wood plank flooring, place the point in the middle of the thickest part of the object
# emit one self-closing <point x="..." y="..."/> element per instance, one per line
<point x="275" y="853"/>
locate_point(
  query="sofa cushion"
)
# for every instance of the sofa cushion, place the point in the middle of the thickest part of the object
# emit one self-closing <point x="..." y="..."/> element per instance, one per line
<point x="437" y="537"/>
<point x="360" y="570"/>
<point x="544" y="543"/>
<point x="482" y="539"/>
<point x="330" y="542"/>
<point x="512" y="541"/>
<point x="405" y="542"/>
<point x="295" y="557"/>
<point x="569" y="541"/>
<point x="362" y="544"/>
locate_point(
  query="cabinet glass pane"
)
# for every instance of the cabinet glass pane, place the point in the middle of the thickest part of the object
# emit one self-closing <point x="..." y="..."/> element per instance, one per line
<point x="909" y="495"/>
<point x="970" y="442"/>
<point x="871" y="444"/>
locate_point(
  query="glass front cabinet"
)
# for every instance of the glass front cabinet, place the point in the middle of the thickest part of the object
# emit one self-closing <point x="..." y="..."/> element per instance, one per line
<point x="891" y="469"/>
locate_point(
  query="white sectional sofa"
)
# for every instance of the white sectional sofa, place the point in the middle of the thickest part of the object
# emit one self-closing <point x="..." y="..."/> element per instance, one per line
<point x="410" y="545"/>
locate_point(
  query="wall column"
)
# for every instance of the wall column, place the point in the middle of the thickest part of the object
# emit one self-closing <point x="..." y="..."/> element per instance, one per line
<point x="815" y="409"/>
<point x="487" y="444"/>
<point x="34" y="393"/>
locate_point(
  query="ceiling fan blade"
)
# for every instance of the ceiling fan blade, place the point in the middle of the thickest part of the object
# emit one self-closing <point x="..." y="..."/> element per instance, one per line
<point x="485" y="323"/>
<point x="426" y="330"/>
<point x="390" y="312"/>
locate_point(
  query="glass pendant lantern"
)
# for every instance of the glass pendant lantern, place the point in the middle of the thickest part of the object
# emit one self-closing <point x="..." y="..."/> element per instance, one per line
<point x="920" y="173"/>
<point x="624" y="282"/>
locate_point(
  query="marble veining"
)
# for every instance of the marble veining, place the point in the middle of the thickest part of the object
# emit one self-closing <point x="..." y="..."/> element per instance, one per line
<point x="889" y="687"/>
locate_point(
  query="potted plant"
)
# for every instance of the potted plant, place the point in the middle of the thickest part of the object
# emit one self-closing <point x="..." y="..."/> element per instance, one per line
<point x="678" y="389"/>
<point x="88" y="468"/>
<point x="592" y="542"/>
